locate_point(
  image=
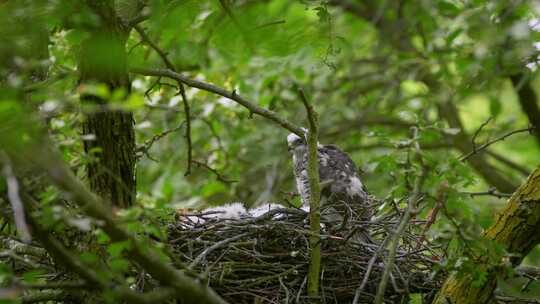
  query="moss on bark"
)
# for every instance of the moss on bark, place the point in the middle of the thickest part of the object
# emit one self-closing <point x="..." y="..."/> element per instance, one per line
<point x="516" y="229"/>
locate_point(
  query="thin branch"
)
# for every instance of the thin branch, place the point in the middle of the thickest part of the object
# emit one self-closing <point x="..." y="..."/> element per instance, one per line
<point x="143" y="15"/>
<point x="411" y="208"/>
<point x="217" y="245"/>
<point x="182" y="90"/>
<point x="145" y="148"/>
<point x="489" y="173"/>
<point x="218" y="175"/>
<point x="529" y="129"/>
<point x="490" y="192"/>
<point x="252" y="107"/>
<point x="473" y="139"/>
<point x="270" y="24"/>
<point x="184" y="287"/>
<point x="368" y="270"/>
<point x="155" y="47"/>
<point x="48" y="296"/>
<point x="314" y="203"/>
<point x="15" y="200"/>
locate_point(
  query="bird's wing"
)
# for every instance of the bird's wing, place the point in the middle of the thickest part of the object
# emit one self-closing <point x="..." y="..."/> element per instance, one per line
<point x="336" y="165"/>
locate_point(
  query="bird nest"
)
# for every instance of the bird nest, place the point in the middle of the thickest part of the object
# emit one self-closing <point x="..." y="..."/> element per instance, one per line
<point x="265" y="259"/>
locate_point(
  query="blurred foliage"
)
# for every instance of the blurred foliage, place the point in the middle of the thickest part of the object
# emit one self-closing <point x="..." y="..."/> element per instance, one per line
<point x="366" y="76"/>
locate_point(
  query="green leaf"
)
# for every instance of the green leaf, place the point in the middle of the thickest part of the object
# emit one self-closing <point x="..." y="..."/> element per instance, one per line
<point x="88" y="257"/>
<point x="119" y="265"/>
<point x="116" y="249"/>
<point x="102" y="237"/>
<point x="213" y="188"/>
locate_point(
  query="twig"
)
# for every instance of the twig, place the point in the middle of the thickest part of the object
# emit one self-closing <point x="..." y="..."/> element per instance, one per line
<point x="411" y="208"/>
<point x="270" y="24"/>
<point x="491" y="192"/>
<point x="314" y="203"/>
<point x="15" y="200"/>
<point x="217" y="245"/>
<point x="477" y="132"/>
<point x="462" y="142"/>
<point x="55" y="296"/>
<point x="182" y="90"/>
<point x="142" y="16"/>
<point x="154" y="46"/>
<point x="144" y="148"/>
<point x="529" y="129"/>
<point x="253" y="108"/>
<point x="60" y="174"/>
<point x="300" y="290"/>
<point x="218" y="175"/>
<point x="368" y="270"/>
<point x="432" y="215"/>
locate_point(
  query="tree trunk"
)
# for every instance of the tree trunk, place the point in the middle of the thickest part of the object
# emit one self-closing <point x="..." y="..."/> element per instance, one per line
<point x="516" y="229"/>
<point x="109" y="133"/>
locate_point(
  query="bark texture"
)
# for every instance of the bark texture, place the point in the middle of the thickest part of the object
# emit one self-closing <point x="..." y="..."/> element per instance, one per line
<point x="110" y="134"/>
<point x="516" y="228"/>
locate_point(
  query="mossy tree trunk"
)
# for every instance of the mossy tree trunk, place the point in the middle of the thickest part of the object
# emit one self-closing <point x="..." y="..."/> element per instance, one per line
<point x="109" y="133"/>
<point x="516" y="229"/>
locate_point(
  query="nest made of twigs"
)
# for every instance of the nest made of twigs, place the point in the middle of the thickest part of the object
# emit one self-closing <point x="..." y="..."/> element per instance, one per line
<point x="265" y="259"/>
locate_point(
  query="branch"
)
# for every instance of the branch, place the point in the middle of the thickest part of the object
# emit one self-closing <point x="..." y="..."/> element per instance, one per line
<point x="490" y="174"/>
<point x="490" y="192"/>
<point x="253" y="108"/>
<point x="411" y="208"/>
<point x="217" y="245"/>
<point x="369" y="269"/>
<point x="62" y="256"/>
<point x="516" y="229"/>
<point x="155" y="47"/>
<point x="184" y="287"/>
<point x="218" y="175"/>
<point x="473" y="140"/>
<point x="55" y="296"/>
<point x="144" y="148"/>
<point x="182" y="90"/>
<point x="314" y="204"/>
<point x="500" y="138"/>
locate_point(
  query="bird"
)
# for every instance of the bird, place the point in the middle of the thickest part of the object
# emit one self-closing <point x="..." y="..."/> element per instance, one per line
<point x="342" y="189"/>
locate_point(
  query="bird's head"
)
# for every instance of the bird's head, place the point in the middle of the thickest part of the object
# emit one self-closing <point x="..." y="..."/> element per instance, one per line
<point x="296" y="143"/>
